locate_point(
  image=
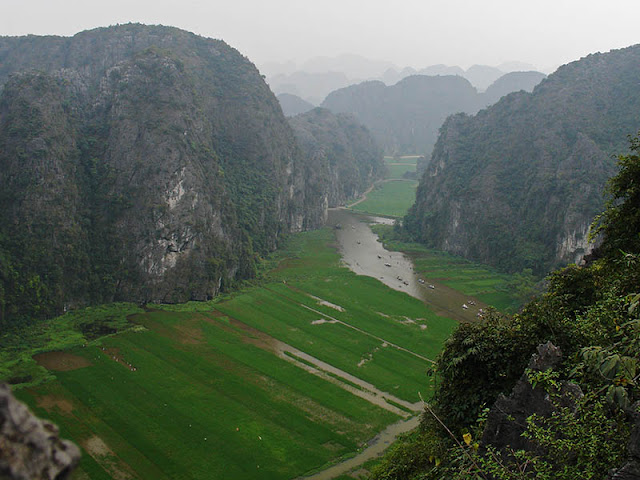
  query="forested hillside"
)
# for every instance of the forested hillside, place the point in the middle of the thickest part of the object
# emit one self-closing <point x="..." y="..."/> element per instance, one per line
<point x="512" y="82"/>
<point x="139" y="163"/>
<point x="518" y="184"/>
<point x="293" y="105"/>
<point x="571" y="410"/>
<point x="344" y="158"/>
<point x="405" y="117"/>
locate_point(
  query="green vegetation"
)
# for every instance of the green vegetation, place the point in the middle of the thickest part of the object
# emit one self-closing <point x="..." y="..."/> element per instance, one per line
<point x="399" y="168"/>
<point x="405" y="117"/>
<point x="204" y="390"/>
<point x="396" y="194"/>
<point x="342" y="158"/>
<point x="390" y="198"/>
<point x="19" y="344"/>
<point x="592" y="314"/>
<point x="203" y="401"/>
<point x="504" y="292"/>
<point x="397" y="172"/>
<point x="91" y="212"/>
<point x="523" y="179"/>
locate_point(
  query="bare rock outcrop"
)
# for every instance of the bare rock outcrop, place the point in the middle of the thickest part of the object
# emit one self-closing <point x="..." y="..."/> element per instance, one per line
<point x="30" y="448"/>
<point x="631" y="469"/>
<point x="508" y="418"/>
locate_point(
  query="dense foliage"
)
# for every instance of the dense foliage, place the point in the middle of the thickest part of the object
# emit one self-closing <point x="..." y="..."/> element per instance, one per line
<point x="517" y="185"/>
<point x="592" y="314"/>
<point x="344" y="160"/>
<point x="143" y="164"/>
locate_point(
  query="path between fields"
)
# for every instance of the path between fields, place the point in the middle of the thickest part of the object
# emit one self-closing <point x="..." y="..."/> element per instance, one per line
<point x="352" y="384"/>
<point x="357" y="329"/>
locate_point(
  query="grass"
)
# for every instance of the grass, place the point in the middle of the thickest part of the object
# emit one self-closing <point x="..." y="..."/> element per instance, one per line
<point x="214" y="407"/>
<point x="74" y="329"/>
<point x="392" y="198"/>
<point x="472" y="279"/>
<point x="401" y="159"/>
<point x="397" y="171"/>
<point x="211" y="398"/>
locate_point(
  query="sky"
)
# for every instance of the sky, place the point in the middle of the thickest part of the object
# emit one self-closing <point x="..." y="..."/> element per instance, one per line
<point x="417" y="33"/>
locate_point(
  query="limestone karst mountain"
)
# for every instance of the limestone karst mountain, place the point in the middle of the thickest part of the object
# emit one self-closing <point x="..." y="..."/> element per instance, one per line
<point x="140" y="163"/>
<point x="518" y="184"/>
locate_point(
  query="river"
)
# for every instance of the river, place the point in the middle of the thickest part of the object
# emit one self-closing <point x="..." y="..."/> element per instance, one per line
<point x="364" y="254"/>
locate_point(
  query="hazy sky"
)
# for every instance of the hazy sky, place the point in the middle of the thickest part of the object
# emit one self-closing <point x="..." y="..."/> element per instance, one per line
<point x="416" y="33"/>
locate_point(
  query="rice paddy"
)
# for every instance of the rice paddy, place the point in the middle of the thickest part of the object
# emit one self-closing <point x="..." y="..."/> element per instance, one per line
<point x="393" y="196"/>
<point x="272" y="382"/>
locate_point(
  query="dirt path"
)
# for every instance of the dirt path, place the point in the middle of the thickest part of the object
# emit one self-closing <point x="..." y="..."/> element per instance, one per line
<point x="352" y="384"/>
<point x="364" y="195"/>
<point x="375" y="448"/>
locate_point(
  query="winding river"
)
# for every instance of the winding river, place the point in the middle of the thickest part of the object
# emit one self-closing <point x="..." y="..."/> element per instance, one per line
<point x="364" y="254"/>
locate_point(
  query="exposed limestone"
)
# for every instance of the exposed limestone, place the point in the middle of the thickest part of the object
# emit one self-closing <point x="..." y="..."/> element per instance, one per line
<point x="631" y="469"/>
<point x="30" y="448"/>
<point x="507" y="418"/>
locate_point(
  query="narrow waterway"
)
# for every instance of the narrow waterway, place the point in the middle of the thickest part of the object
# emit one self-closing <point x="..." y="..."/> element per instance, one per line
<point x="364" y="254"/>
<point x="375" y="448"/>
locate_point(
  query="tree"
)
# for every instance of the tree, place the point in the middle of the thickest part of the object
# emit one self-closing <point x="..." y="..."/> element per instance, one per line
<point x="620" y="222"/>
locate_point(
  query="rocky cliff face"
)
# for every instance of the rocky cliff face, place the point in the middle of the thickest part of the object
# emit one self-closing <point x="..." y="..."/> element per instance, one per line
<point x="343" y="160"/>
<point x="518" y="184"/>
<point x="139" y="163"/>
<point x="30" y="448"/>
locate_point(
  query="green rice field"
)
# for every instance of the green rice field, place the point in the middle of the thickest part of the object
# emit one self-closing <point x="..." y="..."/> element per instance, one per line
<point x="268" y="383"/>
<point x="472" y="279"/>
<point x="394" y="196"/>
<point x="391" y="198"/>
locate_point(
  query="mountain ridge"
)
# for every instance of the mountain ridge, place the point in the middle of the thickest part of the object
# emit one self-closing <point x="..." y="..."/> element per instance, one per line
<point x="517" y="185"/>
<point x="170" y="153"/>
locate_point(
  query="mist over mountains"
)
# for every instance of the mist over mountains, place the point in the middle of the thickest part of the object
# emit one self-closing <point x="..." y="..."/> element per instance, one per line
<point x="314" y="79"/>
<point x="518" y="185"/>
<point x="405" y="118"/>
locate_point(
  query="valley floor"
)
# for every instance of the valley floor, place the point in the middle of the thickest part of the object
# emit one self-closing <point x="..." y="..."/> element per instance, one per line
<point x="275" y="381"/>
<point x="272" y="382"/>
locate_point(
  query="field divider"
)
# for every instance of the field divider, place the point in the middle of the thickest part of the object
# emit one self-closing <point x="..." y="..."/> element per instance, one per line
<point x="350" y="383"/>
<point x="357" y="329"/>
<point x="326" y="371"/>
